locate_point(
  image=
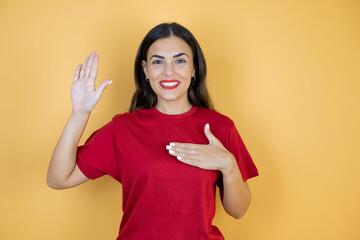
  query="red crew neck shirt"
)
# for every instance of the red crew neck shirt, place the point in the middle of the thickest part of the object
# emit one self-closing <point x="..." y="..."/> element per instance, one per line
<point x="163" y="198"/>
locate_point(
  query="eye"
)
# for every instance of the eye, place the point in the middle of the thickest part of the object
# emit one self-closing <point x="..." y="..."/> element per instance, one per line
<point x="180" y="61"/>
<point x="157" y="62"/>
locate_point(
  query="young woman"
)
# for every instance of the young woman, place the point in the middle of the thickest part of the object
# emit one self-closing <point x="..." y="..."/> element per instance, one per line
<point x="170" y="150"/>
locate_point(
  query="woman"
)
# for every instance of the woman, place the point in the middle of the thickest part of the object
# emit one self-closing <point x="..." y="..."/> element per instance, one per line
<point x="163" y="151"/>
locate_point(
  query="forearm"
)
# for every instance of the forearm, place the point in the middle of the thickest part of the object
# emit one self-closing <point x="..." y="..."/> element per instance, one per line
<point x="236" y="196"/>
<point x="63" y="160"/>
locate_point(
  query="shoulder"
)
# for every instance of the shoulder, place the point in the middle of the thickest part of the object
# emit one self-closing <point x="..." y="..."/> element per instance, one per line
<point x="220" y="125"/>
<point x="214" y="116"/>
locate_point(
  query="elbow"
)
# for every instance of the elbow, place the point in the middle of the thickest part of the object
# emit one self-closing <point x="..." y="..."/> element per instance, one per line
<point x="53" y="184"/>
<point x="239" y="215"/>
<point x="243" y="209"/>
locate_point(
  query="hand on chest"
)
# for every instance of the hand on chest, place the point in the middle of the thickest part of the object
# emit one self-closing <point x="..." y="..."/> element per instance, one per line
<point x="147" y="159"/>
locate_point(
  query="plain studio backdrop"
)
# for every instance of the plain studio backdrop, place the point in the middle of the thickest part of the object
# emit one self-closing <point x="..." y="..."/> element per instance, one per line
<point x="286" y="72"/>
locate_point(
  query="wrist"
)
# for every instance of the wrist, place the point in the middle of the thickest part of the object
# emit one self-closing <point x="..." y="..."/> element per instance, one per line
<point x="80" y="115"/>
<point x="230" y="166"/>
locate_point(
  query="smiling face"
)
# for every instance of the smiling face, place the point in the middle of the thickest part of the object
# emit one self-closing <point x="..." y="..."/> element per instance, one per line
<point x="169" y="68"/>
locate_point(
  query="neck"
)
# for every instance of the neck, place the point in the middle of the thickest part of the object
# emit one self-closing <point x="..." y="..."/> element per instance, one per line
<point x="173" y="108"/>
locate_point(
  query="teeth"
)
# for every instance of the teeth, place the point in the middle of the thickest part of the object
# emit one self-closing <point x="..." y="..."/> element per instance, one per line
<point x="169" y="84"/>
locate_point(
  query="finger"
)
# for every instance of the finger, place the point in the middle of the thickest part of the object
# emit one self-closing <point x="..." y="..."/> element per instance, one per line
<point x="101" y="88"/>
<point x="184" y="150"/>
<point x="186" y="145"/>
<point x="188" y="161"/>
<point x="90" y="63"/>
<point x="82" y="72"/>
<point x="212" y="139"/>
<point x="195" y="157"/>
<point x="195" y="163"/>
<point x="76" y="75"/>
<point x="94" y="67"/>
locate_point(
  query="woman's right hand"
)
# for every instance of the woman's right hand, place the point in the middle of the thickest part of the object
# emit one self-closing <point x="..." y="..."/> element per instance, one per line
<point x="84" y="96"/>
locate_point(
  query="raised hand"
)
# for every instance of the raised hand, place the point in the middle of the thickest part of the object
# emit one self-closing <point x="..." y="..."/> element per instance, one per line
<point x="212" y="156"/>
<point x="84" y="96"/>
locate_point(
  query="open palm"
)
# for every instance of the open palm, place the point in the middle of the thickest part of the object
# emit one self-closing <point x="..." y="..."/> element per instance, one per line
<point x="84" y="96"/>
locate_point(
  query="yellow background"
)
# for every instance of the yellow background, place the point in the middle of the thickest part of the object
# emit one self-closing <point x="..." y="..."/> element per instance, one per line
<point x="287" y="73"/>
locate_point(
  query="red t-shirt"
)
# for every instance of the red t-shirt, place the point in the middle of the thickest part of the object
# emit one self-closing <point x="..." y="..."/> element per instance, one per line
<point x="163" y="198"/>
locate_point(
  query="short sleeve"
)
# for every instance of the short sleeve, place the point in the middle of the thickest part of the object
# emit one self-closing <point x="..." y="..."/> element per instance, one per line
<point x="236" y="146"/>
<point x="97" y="157"/>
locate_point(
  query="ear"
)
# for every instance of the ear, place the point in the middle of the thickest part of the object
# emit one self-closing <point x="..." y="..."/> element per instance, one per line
<point x="143" y="64"/>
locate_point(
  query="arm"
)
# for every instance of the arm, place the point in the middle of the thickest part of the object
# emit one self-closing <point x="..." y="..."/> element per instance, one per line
<point x="235" y="193"/>
<point x="63" y="171"/>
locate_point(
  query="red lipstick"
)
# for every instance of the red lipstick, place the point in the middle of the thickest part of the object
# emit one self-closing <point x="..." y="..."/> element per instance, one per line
<point x="169" y="84"/>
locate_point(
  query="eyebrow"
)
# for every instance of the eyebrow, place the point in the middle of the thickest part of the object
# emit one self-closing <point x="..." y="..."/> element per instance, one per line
<point x="175" y="56"/>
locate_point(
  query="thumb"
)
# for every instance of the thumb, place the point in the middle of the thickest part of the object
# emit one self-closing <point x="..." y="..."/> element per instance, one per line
<point x="212" y="139"/>
<point x="102" y="86"/>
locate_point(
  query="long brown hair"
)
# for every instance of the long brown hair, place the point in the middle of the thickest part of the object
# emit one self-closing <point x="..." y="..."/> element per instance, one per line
<point x="144" y="97"/>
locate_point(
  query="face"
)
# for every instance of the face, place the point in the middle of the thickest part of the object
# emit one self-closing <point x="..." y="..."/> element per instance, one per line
<point x="169" y="68"/>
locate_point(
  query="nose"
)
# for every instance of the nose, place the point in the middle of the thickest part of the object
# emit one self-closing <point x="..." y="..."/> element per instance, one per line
<point x="169" y="71"/>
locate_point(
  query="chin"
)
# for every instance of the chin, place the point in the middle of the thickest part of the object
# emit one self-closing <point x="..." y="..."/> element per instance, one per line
<point x="172" y="98"/>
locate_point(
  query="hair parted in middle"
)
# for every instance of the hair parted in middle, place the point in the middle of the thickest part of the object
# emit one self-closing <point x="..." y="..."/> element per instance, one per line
<point x="144" y="97"/>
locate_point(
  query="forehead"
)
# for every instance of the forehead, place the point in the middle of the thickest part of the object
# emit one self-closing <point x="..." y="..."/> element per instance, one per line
<point x="169" y="47"/>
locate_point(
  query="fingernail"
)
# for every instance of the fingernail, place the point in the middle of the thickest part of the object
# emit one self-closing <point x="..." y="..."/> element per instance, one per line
<point x="172" y="144"/>
<point x="179" y="158"/>
<point x="171" y="152"/>
<point x="168" y="147"/>
<point x="110" y="82"/>
<point x="207" y="126"/>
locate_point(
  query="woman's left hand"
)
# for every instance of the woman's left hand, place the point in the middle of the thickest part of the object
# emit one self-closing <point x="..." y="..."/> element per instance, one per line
<point x="212" y="156"/>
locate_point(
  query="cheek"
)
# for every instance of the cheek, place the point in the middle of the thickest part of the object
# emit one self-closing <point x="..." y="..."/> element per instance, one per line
<point x="152" y="86"/>
<point x="187" y="74"/>
<point x="154" y="71"/>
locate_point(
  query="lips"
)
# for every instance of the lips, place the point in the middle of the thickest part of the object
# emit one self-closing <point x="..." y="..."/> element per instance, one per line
<point x="169" y="84"/>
